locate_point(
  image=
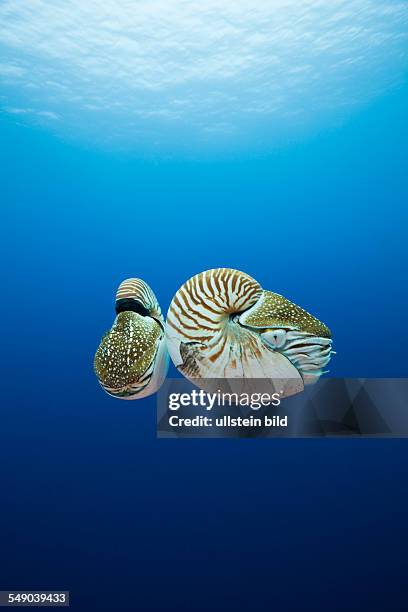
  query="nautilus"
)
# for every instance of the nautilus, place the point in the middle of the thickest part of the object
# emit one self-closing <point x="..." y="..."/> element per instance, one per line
<point x="131" y="361"/>
<point x="222" y="324"/>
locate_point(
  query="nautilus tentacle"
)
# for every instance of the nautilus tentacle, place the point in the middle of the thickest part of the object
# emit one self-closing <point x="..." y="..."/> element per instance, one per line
<point x="221" y="324"/>
<point x="131" y="361"/>
<point x="292" y="331"/>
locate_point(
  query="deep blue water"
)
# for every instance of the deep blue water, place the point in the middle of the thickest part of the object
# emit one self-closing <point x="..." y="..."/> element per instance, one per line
<point x="90" y="500"/>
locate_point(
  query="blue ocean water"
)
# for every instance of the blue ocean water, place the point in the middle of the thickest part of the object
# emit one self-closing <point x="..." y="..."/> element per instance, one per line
<point x="90" y="500"/>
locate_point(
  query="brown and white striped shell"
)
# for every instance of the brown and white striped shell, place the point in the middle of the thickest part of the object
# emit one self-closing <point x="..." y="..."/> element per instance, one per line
<point x="221" y="324"/>
<point x="131" y="361"/>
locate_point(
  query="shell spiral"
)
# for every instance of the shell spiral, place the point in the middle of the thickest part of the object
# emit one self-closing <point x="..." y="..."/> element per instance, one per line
<point x="221" y="324"/>
<point x="131" y="361"/>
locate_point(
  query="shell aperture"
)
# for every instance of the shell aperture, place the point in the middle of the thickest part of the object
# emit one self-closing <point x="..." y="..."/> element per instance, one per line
<point x="221" y="324"/>
<point x="131" y="361"/>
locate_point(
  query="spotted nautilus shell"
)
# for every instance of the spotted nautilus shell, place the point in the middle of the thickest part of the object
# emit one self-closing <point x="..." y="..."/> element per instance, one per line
<point x="131" y="361"/>
<point x="221" y="324"/>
